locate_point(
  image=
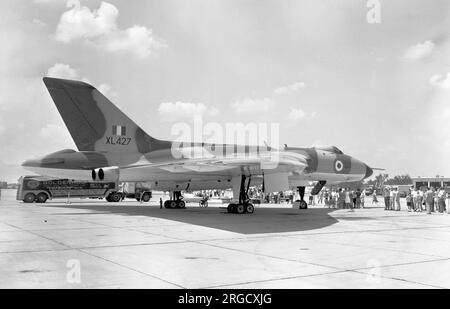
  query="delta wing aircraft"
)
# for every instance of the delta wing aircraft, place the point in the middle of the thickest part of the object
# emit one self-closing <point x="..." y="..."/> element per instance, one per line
<point x="111" y="147"/>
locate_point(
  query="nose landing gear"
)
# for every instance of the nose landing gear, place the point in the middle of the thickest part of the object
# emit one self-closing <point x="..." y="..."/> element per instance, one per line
<point x="302" y="203"/>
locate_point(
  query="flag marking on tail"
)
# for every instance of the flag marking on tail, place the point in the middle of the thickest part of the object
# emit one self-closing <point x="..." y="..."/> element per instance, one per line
<point x="119" y="130"/>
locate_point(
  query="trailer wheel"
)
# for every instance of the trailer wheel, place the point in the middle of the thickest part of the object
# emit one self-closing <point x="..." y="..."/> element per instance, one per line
<point x="114" y="197"/>
<point x="146" y="197"/>
<point x="29" y="197"/>
<point x="41" y="198"/>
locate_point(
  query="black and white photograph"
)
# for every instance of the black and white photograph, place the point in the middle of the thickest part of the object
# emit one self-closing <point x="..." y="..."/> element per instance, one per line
<point x="224" y="145"/>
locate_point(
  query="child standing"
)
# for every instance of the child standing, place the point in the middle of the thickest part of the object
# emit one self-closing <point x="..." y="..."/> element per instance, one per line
<point x="409" y="201"/>
<point x="374" y="198"/>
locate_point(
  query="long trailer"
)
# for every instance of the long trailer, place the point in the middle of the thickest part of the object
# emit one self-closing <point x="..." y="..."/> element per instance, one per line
<point x="39" y="189"/>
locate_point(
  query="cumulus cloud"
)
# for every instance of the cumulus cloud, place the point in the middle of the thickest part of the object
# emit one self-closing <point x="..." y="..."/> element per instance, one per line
<point x="60" y="70"/>
<point x="289" y="89"/>
<point x="252" y="105"/>
<point x="138" y="39"/>
<point x="419" y="51"/>
<point x="99" y="27"/>
<point x="80" y="22"/>
<point x="296" y="114"/>
<point x="441" y="81"/>
<point x="182" y="110"/>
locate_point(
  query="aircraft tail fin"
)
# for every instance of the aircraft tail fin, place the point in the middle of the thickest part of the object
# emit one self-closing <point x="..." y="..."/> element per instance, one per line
<point x="94" y="122"/>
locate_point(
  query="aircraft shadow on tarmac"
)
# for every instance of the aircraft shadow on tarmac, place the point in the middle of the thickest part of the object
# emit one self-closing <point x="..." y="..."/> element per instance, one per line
<point x="264" y="220"/>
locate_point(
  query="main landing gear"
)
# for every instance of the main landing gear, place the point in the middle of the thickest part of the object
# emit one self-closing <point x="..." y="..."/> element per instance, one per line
<point x="302" y="202"/>
<point x="177" y="201"/>
<point x="244" y="205"/>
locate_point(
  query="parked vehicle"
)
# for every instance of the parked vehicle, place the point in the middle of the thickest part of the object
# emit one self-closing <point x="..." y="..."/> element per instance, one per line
<point x="136" y="190"/>
<point x="403" y="190"/>
<point x="40" y="189"/>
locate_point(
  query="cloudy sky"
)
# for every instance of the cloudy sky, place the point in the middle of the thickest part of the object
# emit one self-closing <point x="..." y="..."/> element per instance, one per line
<point x="379" y="91"/>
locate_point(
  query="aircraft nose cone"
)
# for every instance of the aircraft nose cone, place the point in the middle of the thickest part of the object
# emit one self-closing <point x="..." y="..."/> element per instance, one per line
<point x="369" y="172"/>
<point x="29" y="163"/>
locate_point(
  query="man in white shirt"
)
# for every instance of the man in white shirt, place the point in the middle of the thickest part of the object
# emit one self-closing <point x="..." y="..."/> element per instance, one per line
<point x="448" y="202"/>
<point x="396" y="199"/>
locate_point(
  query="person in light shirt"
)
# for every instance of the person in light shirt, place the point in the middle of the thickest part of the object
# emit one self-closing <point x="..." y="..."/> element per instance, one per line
<point x="391" y="199"/>
<point x="348" y="199"/>
<point x="441" y="200"/>
<point x="414" y="200"/>
<point x="448" y="202"/>
<point x="397" y="199"/>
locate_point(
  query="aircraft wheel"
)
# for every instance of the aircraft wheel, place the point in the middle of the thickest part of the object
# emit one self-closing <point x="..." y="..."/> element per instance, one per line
<point x="29" y="198"/>
<point x="240" y="209"/>
<point x="41" y="198"/>
<point x="303" y="205"/>
<point x="182" y="204"/>
<point x="146" y="197"/>
<point x="172" y="204"/>
<point x="250" y="208"/>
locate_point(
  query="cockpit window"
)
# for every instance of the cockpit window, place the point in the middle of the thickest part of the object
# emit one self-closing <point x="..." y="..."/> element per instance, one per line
<point x="332" y="149"/>
<point x="337" y="150"/>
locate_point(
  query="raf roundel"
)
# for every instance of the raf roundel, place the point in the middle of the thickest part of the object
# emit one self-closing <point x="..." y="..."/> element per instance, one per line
<point x="338" y="165"/>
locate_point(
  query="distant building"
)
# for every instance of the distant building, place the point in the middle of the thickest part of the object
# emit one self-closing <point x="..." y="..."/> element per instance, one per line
<point x="12" y="186"/>
<point x="3" y="184"/>
<point x="431" y="182"/>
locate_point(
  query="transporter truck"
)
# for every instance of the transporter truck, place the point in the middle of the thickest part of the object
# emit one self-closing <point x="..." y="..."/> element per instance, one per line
<point x="39" y="189"/>
<point x="136" y="190"/>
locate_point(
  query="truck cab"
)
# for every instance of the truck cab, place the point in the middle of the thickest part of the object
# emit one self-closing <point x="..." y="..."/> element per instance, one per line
<point x="136" y="190"/>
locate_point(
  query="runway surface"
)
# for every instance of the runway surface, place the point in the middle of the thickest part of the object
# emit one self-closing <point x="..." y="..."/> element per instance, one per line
<point x="133" y="245"/>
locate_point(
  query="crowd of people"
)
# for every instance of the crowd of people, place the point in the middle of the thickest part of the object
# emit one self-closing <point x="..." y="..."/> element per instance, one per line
<point x="429" y="200"/>
<point x="342" y="198"/>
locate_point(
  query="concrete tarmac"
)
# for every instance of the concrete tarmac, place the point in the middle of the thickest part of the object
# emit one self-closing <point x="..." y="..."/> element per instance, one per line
<point x="95" y="244"/>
